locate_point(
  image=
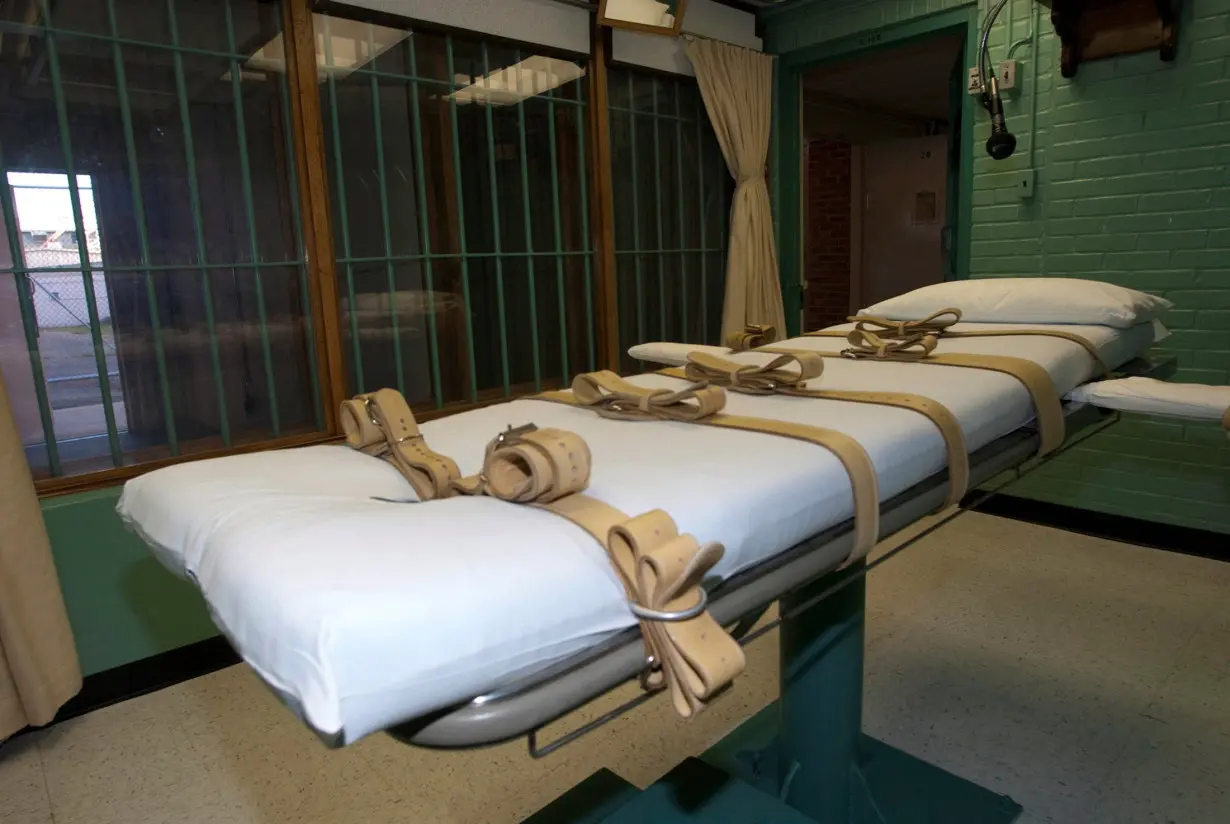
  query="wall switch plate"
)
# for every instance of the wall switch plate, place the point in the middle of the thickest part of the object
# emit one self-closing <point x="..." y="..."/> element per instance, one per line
<point x="973" y="86"/>
<point x="1006" y="75"/>
<point x="1023" y="183"/>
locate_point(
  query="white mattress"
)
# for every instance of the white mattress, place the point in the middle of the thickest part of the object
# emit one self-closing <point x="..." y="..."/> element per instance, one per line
<point x="364" y="613"/>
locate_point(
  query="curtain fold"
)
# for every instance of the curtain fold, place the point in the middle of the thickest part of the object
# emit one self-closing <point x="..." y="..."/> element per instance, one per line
<point x="39" y="670"/>
<point x="737" y="87"/>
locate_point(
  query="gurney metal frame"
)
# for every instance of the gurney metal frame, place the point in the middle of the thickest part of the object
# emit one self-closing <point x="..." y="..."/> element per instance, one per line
<point x="526" y="705"/>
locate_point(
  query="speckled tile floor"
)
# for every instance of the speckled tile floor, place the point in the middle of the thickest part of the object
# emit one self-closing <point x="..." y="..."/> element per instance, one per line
<point x="1087" y="679"/>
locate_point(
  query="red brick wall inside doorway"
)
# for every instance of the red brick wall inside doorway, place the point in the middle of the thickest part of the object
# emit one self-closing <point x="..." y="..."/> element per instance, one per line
<point x="827" y="234"/>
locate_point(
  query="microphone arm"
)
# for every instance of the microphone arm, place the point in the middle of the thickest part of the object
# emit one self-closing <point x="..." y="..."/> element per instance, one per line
<point x="1001" y="144"/>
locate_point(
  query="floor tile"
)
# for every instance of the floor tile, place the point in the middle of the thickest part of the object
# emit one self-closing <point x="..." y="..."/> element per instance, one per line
<point x="23" y="791"/>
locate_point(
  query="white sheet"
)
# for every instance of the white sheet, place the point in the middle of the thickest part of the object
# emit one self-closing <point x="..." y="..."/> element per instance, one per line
<point x="367" y="613"/>
<point x="1151" y="396"/>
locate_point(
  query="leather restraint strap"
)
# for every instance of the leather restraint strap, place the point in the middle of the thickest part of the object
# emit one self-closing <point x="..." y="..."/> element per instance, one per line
<point x="1048" y="406"/>
<point x="753" y="335"/>
<point x="380" y="423"/>
<point x="772" y="378"/>
<point x="660" y="569"/>
<point x="938" y="324"/>
<point x="613" y="397"/>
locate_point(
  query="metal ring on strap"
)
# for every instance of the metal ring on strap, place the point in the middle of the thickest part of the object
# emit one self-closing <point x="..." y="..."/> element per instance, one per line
<point x="647" y="614"/>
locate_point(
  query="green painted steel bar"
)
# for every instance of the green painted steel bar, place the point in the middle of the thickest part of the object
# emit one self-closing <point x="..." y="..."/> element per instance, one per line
<point x="683" y="259"/>
<point x="529" y="240"/>
<point x="589" y="275"/>
<point x="559" y="242"/>
<point x="704" y="257"/>
<point x="666" y="251"/>
<point x="493" y="185"/>
<point x="284" y="264"/>
<point x="425" y="231"/>
<point x="452" y="256"/>
<point x="143" y="246"/>
<point x="657" y="194"/>
<point x="339" y="180"/>
<point x="300" y="249"/>
<point x="636" y="220"/>
<point x="245" y="181"/>
<point x="385" y="225"/>
<point x="198" y="223"/>
<point x="625" y="110"/>
<point x="83" y="252"/>
<point x="461" y="227"/>
<point x="159" y="267"/>
<point x="38" y="30"/>
<point x="29" y="323"/>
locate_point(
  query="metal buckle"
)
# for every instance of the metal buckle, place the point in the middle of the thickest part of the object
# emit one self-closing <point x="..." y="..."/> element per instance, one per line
<point x="371" y="416"/>
<point x="513" y="434"/>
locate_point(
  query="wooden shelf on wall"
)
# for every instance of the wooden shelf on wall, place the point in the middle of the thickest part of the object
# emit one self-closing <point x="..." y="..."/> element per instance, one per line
<point x="1096" y="29"/>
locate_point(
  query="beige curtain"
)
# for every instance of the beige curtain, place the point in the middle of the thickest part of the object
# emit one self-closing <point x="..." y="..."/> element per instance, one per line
<point x="737" y="87"/>
<point x="38" y="662"/>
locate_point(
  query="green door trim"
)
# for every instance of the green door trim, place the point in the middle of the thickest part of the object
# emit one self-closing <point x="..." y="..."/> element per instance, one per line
<point x="787" y="142"/>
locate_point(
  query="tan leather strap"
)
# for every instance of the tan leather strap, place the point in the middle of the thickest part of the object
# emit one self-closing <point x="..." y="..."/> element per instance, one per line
<point x="703" y="367"/>
<point x="912" y="347"/>
<point x="933" y="324"/>
<point x="1037" y="381"/>
<point x="613" y="397"/>
<point x="914" y="341"/>
<point x="380" y="423"/>
<point x="659" y="568"/>
<point x="772" y="378"/>
<point x="753" y="335"/>
<point x="596" y="391"/>
<point x="1080" y="340"/>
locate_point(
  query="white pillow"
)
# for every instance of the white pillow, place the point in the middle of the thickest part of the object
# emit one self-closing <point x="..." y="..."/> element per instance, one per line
<point x="1027" y="300"/>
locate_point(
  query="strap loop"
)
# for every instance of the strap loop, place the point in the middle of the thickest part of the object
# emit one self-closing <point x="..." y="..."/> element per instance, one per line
<point x="936" y="323"/>
<point x="908" y="347"/>
<point x="613" y="397"/>
<point x="703" y="367"/>
<point x="380" y="423"/>
<point x="753" y="335"/>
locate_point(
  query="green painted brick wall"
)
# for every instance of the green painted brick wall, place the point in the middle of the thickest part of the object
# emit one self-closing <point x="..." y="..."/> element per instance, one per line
<point x="1132" y="161"/>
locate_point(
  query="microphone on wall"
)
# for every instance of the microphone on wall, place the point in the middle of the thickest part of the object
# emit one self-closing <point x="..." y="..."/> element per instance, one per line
<point x="1001" y="144"/>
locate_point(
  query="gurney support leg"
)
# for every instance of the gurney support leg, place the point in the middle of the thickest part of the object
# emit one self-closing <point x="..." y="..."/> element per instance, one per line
<point x="809" y="749"/>
<point x="820" y="711"/>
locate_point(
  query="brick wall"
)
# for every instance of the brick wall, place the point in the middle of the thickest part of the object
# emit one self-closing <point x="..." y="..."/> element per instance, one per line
<point x="1132" y="161"/>
<point x="827" y="232"/>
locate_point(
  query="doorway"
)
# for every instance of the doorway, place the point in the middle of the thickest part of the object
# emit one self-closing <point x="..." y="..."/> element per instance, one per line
<point x="881" y="160"/>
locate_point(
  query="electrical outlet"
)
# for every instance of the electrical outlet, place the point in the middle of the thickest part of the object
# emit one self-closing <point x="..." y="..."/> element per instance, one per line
<point x="1006" y="75"/>
<point x="1024" y="184"/>
<point x="973" y="86"/>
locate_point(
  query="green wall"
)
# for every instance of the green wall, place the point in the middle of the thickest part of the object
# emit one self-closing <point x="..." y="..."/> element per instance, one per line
<point x="1132" y="162"/>
<point x="122" y="604"/>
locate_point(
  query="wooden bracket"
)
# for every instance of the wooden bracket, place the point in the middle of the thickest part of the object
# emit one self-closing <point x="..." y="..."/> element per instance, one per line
<point x="1095" y="29"/>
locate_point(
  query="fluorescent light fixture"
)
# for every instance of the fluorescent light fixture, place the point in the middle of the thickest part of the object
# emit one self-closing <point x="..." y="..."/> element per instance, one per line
<point x="532" y="76"/>
<point x="351" y="45"/>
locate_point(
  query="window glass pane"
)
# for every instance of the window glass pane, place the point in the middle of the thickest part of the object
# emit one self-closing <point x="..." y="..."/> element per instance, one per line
<point x="458" y="169"/>
<point x="672" y="194"/>
<point x="151" y="283"/>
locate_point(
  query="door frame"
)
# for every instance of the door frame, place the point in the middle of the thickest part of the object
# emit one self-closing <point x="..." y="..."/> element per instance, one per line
<point x="787" y="142"/>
